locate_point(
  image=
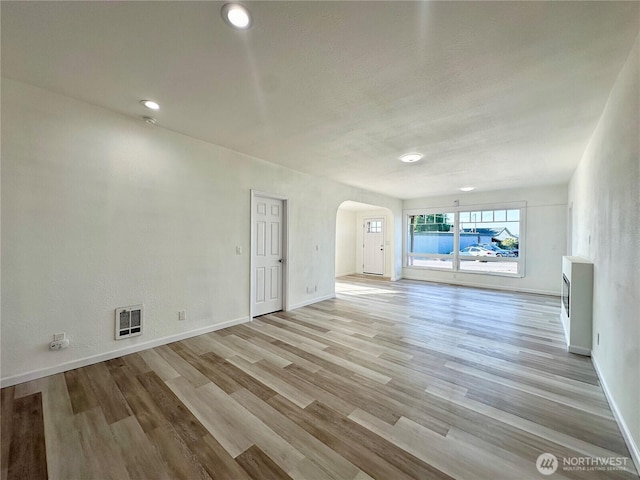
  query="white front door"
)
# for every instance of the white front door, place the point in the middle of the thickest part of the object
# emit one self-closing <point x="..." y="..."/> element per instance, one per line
<point x="373" y="255"/>
<point x="268" y="218"/>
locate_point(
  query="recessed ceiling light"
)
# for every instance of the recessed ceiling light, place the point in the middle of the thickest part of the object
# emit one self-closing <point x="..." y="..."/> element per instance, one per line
<point x="411" y="157"/>
<point x="150" y="104"/>
<point x="149" y="120"/>
<point x="236" y="15"/>
<point x="467" y="189"/>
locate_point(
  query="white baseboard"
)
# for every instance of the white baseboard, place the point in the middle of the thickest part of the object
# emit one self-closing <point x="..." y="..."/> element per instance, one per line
<point x="312" y="301"/>
<point x="488" y="287"/>
<point x="83" y="362"/>
<point x="579" y="350"/>
<point x="634" y="449"/>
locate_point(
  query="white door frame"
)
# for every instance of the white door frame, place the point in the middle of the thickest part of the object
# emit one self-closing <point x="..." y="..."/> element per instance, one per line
<point x="285" y="249"/>
<point x="384" y="243"/>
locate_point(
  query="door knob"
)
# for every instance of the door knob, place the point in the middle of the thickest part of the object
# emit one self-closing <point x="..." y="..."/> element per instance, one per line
<point x="280" y="261"/>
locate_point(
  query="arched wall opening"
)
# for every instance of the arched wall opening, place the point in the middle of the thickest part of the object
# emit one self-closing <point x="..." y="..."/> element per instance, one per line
<point x="351" y="221"/>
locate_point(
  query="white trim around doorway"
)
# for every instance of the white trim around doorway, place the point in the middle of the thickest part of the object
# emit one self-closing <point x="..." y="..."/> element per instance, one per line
<point x="285" y="249"/>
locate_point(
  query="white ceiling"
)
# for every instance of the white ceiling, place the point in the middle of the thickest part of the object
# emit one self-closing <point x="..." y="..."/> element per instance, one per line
<point x="495" y="94"/>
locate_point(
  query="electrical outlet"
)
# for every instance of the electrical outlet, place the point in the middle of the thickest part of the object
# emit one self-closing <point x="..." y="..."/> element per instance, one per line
<point x="59" y="344"/>
<point x="58" y="336"/>
<point x="182" y="315"/>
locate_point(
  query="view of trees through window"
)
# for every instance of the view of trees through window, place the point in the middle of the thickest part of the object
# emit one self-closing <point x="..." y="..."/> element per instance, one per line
<point x="487" y="240"/>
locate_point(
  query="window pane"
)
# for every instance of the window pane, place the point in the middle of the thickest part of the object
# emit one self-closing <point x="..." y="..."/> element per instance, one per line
<point x="491" y="235"/>
<point x="488" y="241"/>
<point x="441" y="263"/>
<point x="431" y="233"/>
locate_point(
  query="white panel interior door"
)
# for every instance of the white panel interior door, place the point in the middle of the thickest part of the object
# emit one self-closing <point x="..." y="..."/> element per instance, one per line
<point x="373" y="255"/>
<point x="268" y="217"/>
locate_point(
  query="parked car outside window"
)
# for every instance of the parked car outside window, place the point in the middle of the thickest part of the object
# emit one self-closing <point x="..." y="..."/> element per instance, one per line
<point x="479" y="251"/>
<point x="500" y="252"/>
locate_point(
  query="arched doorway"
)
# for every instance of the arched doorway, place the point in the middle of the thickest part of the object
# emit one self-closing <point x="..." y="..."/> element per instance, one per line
<point x="364" y="240"/>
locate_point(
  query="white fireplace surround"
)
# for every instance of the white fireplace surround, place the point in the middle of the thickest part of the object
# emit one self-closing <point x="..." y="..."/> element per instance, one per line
<point x="577" y="303"/>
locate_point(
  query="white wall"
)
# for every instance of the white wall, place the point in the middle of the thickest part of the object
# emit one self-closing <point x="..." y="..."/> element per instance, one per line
<point x="605" y="193"/>
<point x="345" y="242"/>
<point x="100" y="210"/>
<point x="545" y="241"/>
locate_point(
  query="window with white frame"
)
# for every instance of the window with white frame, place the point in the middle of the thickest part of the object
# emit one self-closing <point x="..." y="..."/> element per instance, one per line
<point x="475" y="239"/>
<point x="430" y="240"/>
<point x="374" y="226"/>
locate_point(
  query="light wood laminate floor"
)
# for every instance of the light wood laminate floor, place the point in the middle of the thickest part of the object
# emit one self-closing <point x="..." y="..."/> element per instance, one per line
<point x="388" y="381"/>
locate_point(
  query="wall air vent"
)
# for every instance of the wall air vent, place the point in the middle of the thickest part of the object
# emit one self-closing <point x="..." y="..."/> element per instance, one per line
<point x="129" y="321"/>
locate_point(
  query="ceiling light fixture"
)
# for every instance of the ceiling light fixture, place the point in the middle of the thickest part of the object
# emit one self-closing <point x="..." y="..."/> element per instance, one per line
<point x="410" y="157"/>
<point x="149" y="120"/>
<point x="236" y="15"/>
<point x="467" y="189"/>
<point x="150" y="104"/>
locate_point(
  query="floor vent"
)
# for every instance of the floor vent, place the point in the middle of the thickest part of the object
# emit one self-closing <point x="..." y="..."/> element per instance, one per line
<point x="128" y="321"/>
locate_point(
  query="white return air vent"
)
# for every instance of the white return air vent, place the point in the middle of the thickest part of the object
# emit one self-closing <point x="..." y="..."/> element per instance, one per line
<point x="129" y="321"/>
